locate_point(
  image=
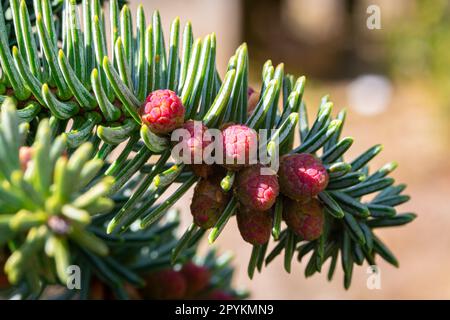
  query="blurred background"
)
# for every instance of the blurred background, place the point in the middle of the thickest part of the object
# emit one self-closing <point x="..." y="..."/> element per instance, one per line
<point x="395" y="83"/>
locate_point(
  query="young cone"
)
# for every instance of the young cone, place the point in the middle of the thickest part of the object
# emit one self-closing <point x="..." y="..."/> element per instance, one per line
<point x="255" y="190"/>
<point x="239" y="146"/>
<point x="208" y="202"/>
<point x="163" y="111"/>
<point x="196" y="142"/>
<point x="306" y="219"/>
<point x="302" y="176"/>
<point x="254" y="226"/>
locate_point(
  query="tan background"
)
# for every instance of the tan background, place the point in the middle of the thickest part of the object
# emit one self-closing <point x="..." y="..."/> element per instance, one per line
<point x="414" y="131"/>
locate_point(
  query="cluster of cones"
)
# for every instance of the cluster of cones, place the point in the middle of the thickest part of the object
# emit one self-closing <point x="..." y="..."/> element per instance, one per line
<point x="300" y="178"/>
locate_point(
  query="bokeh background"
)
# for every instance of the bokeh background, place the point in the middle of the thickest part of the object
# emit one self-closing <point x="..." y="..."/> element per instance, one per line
<point x="395" y="83"/>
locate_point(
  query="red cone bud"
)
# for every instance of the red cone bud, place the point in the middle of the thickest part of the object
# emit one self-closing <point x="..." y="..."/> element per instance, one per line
<point x="196" y="143"/>
<point x="254" y="226"/>
<point x="208" y="202"/>
<point x="302" y="176"/>
<point x="255" y="190"/>
<point x="238" y="141"/>
<point x="163" y="111"/>
<point x="306" y="219"/>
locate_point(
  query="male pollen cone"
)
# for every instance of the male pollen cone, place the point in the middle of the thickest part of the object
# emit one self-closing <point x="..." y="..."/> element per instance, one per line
<point x="162" y="111"/>
<point x="208" y="202"/>
<point x="255" y="190"/>
<point x="239" y="146"/>
<point x="306" y="219"/>
<point x="254" y="226"/>
<point x="302" y="176"/>
<point x="196" y="143"/>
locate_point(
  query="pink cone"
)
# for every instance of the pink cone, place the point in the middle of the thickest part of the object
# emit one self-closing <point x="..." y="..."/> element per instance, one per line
<point x="163" y="111"/>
